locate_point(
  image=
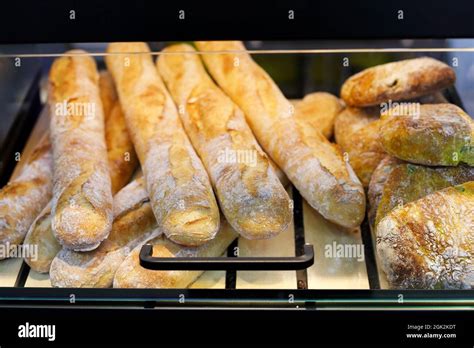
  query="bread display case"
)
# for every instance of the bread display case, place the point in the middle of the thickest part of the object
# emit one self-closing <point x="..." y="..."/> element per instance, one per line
<point x="233" y="173"/>
<point x="330" y="169"/>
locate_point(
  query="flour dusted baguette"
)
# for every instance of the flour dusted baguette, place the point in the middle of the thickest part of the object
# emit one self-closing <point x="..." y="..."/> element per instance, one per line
<point x="249" y="193"/>
<point x="131" y="275"/>
<point x="22" y="199"/>
<point x="180" y="191"/>
<point x="120" y="151"/>
<point x="82" y="198"/>
<point x="314" y="165"/>
<point x="134" y="223"/>
<point x="122" y="164"/>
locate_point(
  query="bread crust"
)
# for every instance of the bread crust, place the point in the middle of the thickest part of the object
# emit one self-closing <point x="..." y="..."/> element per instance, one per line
<point x="314" y="165"/>
<point x="180" y="191"/>
<point x="402" y="80"/>
<point x="437" y="135"/>
<point x="357" y="133"/>
<point x="429" y="243"/>
<point x="82" y="197"/>
<point x="134" y="223"/>
<point x="23" y="198"/>
<point x="131" y="275"/>
<point x="249" y="193"/>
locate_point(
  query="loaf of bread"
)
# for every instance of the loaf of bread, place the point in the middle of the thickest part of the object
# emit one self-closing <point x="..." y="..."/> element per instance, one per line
<point x="357" y="133"/>
<point x="318" y="110"/>
<point x="180" y="191"/>
<point x="23" y="198"/>
<point x="429" y="243"/>
<point x="120" y="151"/>
<point x="250" y="195"/>
<point x="82" y="197"/>
<point x="402" y="80"/>
<point x="122" y="164"/>
<point x="131" y="275"/>
<point x="134" y="223"/>
<point x="403" y="183"/>
<point x="314" y="165"/>
<point x="431" y="134"/>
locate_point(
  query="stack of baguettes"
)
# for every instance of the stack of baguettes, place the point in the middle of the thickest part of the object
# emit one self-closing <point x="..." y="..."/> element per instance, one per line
<point x="201" y="146"/>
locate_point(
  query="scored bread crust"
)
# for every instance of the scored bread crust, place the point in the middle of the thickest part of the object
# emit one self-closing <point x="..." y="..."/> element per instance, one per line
<point x="402" y="80"/>
<point x="134" y="223"/>
<point x="357" y="133"/>
<point x="249" y="192"/>
<point x="429" y="243"/>
<point x="121" y="168"/>
<point x="314" y="165"/>
<point x="131" y="275"/>
<point x="180" y="191"/>
<point x="23" y="198"/>
<point x="82" y="198"/>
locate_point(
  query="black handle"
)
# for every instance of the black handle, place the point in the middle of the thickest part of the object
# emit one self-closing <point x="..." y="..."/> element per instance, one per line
<point x="226" y="263"/>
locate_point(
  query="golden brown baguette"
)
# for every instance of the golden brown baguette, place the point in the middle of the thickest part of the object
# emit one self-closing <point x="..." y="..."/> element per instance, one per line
<point x="134" y="223"/>
<point x="432" y="134"/>
<point x="249" y="193"/>
<point x="429" y="243"/>
<point x="82" y="197"/>
<point x="120" y="151"/>
<point x="318" y="110"/>
<point x="122" y="164"/>
<point x="23" y="198"/>
<point x="131" y="275"/>
<point x="357" y="133"/>
<point x="402" y="80"/>
<point x="179" y="188"/>
<point x="314" y="165"/>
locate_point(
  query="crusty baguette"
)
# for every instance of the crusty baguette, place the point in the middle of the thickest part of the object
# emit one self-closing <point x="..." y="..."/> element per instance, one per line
<point x="82" y="197"/>
<point x="402" y="80"/>
<point x="122" y="164"/>
<point x="429" y="243"/>
<point x="318" y="110"/>
<point x="131" y="275"/>
<point x="357" y="133"/>
<point x="404" y="183"/>
<point x="249" y="193"/>
<point x="180" y="191"/>
<point x="134" y="223"/>
<point x="314" y="165"/>
<point x="120" y="151"/>
<point x="434" y="135"/>
<point x="23" y="198"/>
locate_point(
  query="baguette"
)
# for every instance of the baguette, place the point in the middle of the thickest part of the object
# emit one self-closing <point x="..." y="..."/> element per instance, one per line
<point x="23" y="198"/>
<point x="131" y="275"/>
<point x="314" y="165"/>
<point x="180" y="192"/>
<point x="122" y="164"/>
<point x="134" y="223"/>
<point x="318" y="110"/>
<point x="402" y="80"/>
<point x="357" y="133"/>
<point x="436" y="135"/>
<point x="82" y="197"/>
<point x="429" y="243"/>
<point x="250" y="195"/>
<point x="120" y="151"/>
